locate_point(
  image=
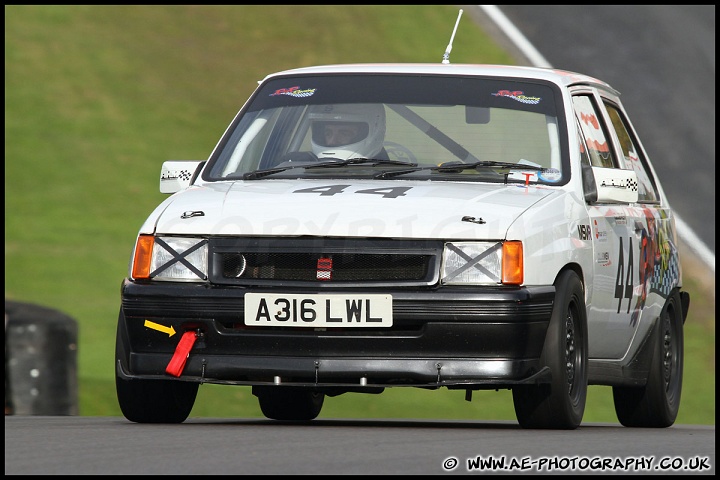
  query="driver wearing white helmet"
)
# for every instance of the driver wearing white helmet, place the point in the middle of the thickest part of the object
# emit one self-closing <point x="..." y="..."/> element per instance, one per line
<point x="348" y="131"/>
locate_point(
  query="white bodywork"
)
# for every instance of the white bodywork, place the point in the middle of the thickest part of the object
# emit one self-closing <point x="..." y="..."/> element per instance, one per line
<point x="554" y="222"/>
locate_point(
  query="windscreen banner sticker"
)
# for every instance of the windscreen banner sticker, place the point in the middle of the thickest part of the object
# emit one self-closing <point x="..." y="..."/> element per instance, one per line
<point x="294" y="92"/>
<point x="518" y="95"/>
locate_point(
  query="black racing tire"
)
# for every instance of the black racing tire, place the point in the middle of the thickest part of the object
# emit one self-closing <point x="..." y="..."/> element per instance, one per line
<point x="156" y="401"/>
<point x="559" y="404"/>
<point x="289" y="403"/>
<point x="656" y="404"/>
<point x="150" y="401"/>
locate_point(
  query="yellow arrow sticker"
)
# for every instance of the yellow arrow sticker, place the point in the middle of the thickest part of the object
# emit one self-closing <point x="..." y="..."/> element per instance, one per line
<point x="160" y="328"/>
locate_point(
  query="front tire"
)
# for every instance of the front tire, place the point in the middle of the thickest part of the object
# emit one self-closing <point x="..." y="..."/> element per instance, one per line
<point x="289" y="403"/>
<point x="559" y="404"/>
<point x="150" y="401"/>
<point x="656" y="405"/>
<point x="156" y="401"/>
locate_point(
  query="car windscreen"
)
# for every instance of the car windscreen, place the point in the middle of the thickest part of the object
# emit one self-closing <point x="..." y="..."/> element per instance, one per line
<point x="324" y="126"/>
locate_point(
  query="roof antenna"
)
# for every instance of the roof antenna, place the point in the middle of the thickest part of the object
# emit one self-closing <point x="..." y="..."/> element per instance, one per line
<point x="446" y="55"/>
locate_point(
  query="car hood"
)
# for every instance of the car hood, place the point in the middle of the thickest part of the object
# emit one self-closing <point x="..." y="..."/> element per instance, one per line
<point x="355" y="208"/>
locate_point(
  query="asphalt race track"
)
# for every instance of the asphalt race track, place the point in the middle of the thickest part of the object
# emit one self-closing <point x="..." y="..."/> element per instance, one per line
<point x="207" y="446"/>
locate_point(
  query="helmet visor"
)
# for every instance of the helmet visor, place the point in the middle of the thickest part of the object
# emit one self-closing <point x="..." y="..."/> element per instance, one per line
<point x="336" y="134"/>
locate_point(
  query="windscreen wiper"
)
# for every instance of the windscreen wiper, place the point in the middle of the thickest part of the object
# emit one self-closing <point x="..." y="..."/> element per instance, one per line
<point x="331" y="164"/>
<point x="457" y="167"/>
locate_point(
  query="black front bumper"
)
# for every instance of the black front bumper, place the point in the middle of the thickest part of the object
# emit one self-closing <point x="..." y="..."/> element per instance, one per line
<point x="454" y="337"/>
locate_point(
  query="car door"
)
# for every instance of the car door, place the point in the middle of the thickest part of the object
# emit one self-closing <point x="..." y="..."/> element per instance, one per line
<point x="653" y="227"/>
<point x="614" y="276"/>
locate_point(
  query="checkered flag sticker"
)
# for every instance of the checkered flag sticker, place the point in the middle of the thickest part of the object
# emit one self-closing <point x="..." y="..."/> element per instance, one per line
<point x="665" y="279"/>
<point x="182" y="175"/>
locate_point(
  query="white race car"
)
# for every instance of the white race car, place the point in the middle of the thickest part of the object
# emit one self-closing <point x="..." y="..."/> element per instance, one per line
<point x="360" y="227"/>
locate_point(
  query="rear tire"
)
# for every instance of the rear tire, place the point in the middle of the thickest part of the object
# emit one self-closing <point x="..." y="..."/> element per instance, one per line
<point x="559" y="404"/>
<point x="150" y="401"/>
<point x="289" y="403"/>
<point x="656" y="404"/>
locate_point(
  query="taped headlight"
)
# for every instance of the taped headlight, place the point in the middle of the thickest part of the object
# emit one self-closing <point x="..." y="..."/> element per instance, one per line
<point x="172" y="259"/>
<point x="474" y="263"/>
<point x="483" y="263"/>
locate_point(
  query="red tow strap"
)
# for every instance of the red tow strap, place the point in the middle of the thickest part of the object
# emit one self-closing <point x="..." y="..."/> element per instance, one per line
<point x="182" y="352"/>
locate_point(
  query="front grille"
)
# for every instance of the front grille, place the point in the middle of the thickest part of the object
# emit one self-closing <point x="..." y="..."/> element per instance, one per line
<point x="324" y="261"/>
<point x="303" y="266"/>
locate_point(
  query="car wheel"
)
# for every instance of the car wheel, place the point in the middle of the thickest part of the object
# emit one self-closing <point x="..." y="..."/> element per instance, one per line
<point x="559" y="404"/>
<point x="289" y="403"/>
<point x="656" y="404"/>
<point x="151" y="401"/>
<point x="156" y="401"/>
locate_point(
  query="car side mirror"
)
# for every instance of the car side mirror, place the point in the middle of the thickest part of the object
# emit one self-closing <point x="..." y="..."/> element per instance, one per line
<point x="176" y="175"/>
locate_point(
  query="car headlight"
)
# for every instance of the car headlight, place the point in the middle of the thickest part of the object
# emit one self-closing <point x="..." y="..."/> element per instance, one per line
<point x="482" y="263"/>
<point x="170" y="258"/>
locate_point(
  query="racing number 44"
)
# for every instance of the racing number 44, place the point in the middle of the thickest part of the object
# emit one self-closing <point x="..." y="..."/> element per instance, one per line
<point x="624" y="290"/>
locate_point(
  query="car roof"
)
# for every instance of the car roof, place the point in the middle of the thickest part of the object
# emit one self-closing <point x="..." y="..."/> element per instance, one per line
<point x="562" y="78"/>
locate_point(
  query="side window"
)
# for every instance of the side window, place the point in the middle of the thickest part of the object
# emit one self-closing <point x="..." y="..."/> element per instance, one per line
<point x="599" y="151"/>
<point x="646" y="186"/>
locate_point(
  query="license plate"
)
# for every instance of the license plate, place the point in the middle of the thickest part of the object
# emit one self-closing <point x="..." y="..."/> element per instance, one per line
<point x="316" y="310"/>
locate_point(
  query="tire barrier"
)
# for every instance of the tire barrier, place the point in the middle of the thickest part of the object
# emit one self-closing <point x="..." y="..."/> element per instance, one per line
<point x="40" y="361"/>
